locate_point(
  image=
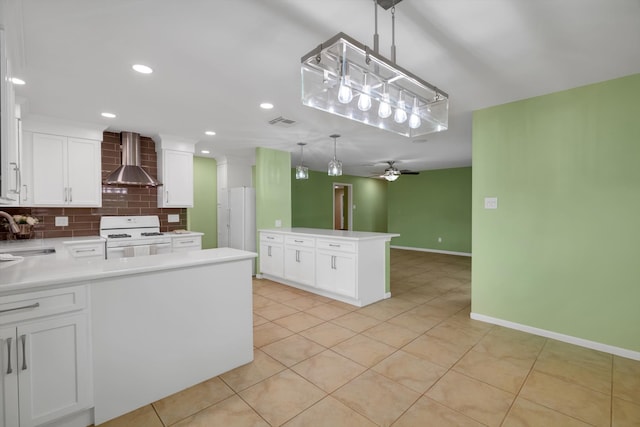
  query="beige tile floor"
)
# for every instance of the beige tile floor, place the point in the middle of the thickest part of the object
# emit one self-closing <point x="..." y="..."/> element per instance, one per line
<point x="416" y="359"/>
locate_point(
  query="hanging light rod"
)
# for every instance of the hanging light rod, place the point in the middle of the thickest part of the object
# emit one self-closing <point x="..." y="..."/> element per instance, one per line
<point x="345" y="77"/>
<point x="386" y="4"/>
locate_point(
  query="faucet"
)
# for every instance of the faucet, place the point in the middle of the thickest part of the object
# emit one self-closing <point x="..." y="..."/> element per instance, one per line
<point x="12" y="224"/>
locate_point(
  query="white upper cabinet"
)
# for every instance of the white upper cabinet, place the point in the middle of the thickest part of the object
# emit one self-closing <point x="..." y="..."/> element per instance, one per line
<point x="175" y="171"/>
<point x="66" y="171"/>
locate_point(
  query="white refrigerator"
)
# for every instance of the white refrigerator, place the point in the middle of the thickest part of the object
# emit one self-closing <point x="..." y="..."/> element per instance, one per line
<point x="241" y="219"/>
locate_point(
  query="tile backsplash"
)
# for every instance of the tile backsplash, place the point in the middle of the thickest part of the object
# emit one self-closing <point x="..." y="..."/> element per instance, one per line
<point x="116" y="200"/>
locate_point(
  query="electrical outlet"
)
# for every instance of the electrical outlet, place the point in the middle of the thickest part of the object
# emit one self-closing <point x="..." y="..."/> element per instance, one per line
<point x="173" y="218"/>
<point x="278" y="223"/>
<point x="62" y="221"/>
<point x="491" y="203"/>
<point x="439" y="239"/>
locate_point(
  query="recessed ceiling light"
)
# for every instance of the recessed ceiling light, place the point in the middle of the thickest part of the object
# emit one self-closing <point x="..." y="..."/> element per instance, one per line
<point x="210" y="133"/>
<point x="205" y="151"/>
<point x="143" y="69"/>
<point x="17" y="81"/>
<point x="108" y="115"/>
<point x="266" y="106"/>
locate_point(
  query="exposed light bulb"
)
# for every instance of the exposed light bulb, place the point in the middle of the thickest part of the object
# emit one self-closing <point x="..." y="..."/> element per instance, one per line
<point x="400" y="115"/>
<point x="384" y="110"/>
<point x="414" y="119"/>
<point x="364" y="102"/>
<point x="344" y="92"/>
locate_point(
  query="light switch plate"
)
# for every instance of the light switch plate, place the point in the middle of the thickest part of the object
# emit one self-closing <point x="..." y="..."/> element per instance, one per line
<point x="173" y="218"/>
<point x="62" y="221"/>
<point x="491" y="203"/>
<point x="278" y="223"/>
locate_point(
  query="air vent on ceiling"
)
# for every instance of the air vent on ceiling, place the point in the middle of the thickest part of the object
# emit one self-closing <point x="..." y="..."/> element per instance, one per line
<point x="281" y="121"/>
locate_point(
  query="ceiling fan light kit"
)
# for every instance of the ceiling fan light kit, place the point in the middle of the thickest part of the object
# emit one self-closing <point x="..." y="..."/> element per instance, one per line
<point x="345" y="77"/>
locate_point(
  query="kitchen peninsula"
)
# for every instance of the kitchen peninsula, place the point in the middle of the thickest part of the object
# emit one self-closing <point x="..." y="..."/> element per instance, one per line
<point x="350" y="266"/>
<point x="135" y="330"/>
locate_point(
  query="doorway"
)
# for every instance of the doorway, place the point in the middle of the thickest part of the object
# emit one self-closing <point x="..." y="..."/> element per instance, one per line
<point x="342" y="206"/>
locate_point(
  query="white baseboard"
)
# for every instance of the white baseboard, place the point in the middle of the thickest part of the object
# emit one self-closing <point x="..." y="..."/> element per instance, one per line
<point x="618" y="351"/>
<point x="387" y="295"/>
<point x="407" y="248"/>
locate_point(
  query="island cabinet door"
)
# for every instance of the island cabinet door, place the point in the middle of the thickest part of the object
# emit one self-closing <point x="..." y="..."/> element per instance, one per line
<point x="299" y="264"/>
<point x="54" y="375"/>
<point x="336" y="272"/>
<point x="9" y="378"/>
<point x="272" y="259"/>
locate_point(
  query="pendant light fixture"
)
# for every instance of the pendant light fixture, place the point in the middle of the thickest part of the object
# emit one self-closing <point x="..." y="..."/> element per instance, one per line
<point x="335" y="165"/>
<point x="342" y="69"/>
<point x="302" y="172"/>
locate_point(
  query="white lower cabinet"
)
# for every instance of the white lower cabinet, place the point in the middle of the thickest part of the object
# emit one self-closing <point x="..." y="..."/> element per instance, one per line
<point x="336" y="272"/>
<point x="45" y="358"/>
<point x="272" y="254"/>
<point x="299" y="260"/>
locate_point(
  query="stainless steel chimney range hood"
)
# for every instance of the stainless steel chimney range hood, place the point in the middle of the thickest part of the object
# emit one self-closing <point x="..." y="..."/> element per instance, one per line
<point x="130" y="172"/>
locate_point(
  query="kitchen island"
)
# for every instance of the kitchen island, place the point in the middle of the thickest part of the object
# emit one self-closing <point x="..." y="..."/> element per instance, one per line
<point x="142" y="328"/>
<point x="350" y="266"/>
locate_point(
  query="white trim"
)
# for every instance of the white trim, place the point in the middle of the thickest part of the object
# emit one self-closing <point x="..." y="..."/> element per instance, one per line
<point x="618" y="351"/>
<point x="407" y="248"/>
<point x="387" y="295"/>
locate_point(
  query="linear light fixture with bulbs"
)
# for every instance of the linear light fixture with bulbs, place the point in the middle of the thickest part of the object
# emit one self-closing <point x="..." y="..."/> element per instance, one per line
<point x="345" y="77"/>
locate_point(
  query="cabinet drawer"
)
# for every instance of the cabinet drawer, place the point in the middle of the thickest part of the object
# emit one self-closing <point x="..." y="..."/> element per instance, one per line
<point x="86" y="250"/>
<point x="187" y="241"/>
<point x="32" y="305"/>
<point x="271" y="237"/>
<point x="336" y="245"/>
<point x="300" y="241"/>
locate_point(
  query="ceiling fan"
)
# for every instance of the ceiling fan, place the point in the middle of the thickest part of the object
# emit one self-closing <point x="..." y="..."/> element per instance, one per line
<point x="392" y="173"/>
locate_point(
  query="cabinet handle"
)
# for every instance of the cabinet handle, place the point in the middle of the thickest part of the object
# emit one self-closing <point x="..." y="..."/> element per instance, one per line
<point x="167" y="196"/>
<point x="85" y="250"/>
<point x="36" y="305"/>
<point x="268" y="250"/>
<point x="66" y="195"/>
<point x="333" y="262"/>
<point x="270" y="238"/>
<point x="70" y="194"/>
<point x="334" y="246"/>
<point x="26" y="192"/>
<point x="297" y="255"/>
<point x="299" y="241"/>
<point x="23" y="339"/>
<point x="16" y="169"/>
<point x="9" y="370"/>
<point x="184" y="242"/>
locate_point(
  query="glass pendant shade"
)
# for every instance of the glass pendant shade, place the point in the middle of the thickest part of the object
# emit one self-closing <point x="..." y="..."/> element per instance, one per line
<point x="372" y="79"/>
<point x="302" y="172"/>
<point x="335" y="165"/>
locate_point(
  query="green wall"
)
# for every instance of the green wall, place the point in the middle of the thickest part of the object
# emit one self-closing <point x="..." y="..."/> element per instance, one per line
<point x="273" y="189"/>
<point x="312" y="201"/>
<point x="203" y="217"/>
<point x="436" y="203"/>
<point x="561" y="251"/>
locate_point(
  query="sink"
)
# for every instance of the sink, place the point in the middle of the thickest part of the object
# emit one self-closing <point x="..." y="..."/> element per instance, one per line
<point x="31" y="252"/>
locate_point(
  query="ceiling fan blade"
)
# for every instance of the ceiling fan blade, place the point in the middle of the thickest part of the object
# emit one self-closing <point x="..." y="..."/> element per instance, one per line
<point x="408" y="172"/>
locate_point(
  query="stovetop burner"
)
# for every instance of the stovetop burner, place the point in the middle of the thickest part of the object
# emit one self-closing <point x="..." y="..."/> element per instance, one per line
<point x="152" y="233"/>
<point x="118" y="236"/>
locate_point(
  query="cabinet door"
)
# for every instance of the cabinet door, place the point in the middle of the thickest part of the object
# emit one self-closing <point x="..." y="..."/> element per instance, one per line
<point x="54" y="369"/>
<point x="299" y="264"/>
<point x="49" y="169"/>
<point x="84" y="172"/>
<point x="271" y="259"/>
<point x="177" y="179"/>
<point x="8" y="378"/>
<point x="336" y="272"/>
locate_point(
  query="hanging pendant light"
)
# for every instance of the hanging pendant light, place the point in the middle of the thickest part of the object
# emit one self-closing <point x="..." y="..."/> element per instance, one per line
<point x="302" y="172"/>
<point x="342" y="68"/>
<point x="335" y="165"/>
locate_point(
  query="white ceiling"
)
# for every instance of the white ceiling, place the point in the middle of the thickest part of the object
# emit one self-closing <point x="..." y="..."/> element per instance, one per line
<point x="216" y="60"/>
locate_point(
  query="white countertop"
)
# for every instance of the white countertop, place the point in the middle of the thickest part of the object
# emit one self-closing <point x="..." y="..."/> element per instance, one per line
<point x="42" y="271"/>
<point x="341" y="234"/>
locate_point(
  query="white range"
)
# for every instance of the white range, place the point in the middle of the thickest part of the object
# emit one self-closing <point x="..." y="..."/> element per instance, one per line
<point x="133" y="236"/>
